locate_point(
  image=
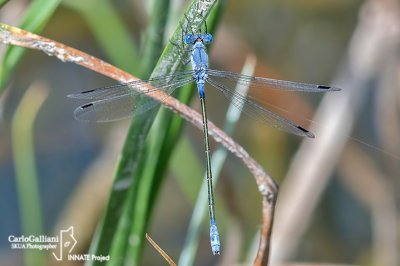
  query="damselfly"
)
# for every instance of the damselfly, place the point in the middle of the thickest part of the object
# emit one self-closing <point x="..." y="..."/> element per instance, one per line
<point x="123" y="101"/>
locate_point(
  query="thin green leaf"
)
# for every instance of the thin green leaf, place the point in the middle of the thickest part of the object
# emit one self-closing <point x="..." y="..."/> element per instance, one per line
<point x="159" y="145"/>
<point x="3" y="2"/>
<point x="186" y="162"/>
<point x="25" y="168"/>
<point x="110" y="32"/>
<point x="154" y="36"/>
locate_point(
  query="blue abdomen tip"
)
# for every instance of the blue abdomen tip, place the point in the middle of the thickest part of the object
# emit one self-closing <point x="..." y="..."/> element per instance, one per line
<point x="214" y="238"/>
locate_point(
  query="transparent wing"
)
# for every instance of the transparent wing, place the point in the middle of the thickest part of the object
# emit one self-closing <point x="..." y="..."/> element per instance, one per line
<point x="266" y="83"/>
<point x="131" y="87"/>
<point x="124" y="100"/>
<point x="259" y="113"/>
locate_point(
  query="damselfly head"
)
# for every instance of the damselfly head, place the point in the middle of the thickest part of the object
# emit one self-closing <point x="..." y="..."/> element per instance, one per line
<point x="192" y="38"/>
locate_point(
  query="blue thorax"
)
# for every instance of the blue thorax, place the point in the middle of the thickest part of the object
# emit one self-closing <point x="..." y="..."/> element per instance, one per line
<point x="199" y="58"/>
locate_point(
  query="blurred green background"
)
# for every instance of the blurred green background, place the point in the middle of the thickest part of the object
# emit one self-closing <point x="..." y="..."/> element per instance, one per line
<point x="306" y="41"/>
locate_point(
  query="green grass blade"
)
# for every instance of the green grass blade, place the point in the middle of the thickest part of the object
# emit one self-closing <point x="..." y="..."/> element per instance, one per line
<point x="217" y="161"/>
<point x="186" y="162"/>
<point x="25" y="168"/>
<point x="35" y="18"/>
<point x="3" y="2"/>
<point x="154" y="36"/>
<point x="159" y="145"/>
<point x="110" y="32"/>
<point x="120" y="248"/>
